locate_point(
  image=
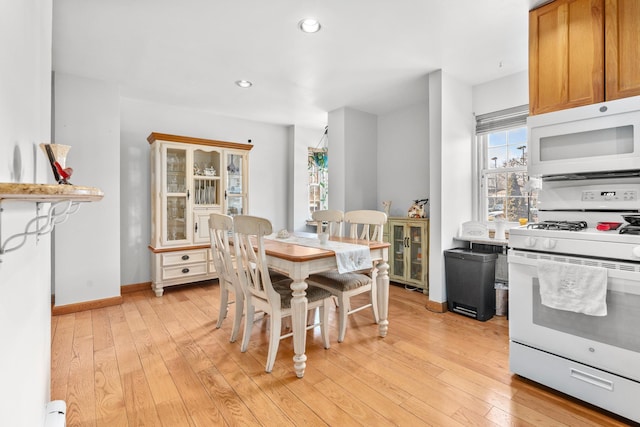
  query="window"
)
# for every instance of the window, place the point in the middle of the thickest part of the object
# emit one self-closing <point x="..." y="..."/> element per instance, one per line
<point x="504" y="190"/>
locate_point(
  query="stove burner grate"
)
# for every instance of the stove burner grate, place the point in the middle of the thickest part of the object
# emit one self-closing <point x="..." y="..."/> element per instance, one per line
<point x="630" y="229"/>
<point x="559" y="225"/>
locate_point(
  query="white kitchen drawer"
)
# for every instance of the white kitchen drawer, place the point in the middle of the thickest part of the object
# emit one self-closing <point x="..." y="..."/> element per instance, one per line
<point x="189" y="270"/>
<point x="608" y="391"/>
<point x="184" y="257"/>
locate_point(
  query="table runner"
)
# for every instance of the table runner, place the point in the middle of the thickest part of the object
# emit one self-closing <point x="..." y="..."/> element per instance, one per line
<point x="349" y="257"/>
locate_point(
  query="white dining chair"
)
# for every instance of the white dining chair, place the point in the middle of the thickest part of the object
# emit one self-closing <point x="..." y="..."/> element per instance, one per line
<point x="262" y="294"/>
<point x="328" y="221"/>
<point x="363" y="225"/>
<point x="220" y="227"/>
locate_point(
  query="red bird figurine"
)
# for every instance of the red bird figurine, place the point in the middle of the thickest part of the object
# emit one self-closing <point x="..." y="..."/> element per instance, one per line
<point x="64" y="173"/>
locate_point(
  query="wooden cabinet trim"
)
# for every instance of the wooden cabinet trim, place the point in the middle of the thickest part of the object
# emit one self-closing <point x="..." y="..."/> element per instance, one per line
<point x="154" y="136"/>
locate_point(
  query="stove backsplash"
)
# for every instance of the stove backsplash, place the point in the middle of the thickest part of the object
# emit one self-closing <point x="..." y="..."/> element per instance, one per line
<point x="590" y="200"/>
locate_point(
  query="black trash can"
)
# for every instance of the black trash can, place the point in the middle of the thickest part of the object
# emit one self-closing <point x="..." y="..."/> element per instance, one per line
<point x="470" y="279"/>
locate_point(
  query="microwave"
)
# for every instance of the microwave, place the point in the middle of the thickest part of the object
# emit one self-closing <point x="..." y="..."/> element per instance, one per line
<point x="594" y="139"/>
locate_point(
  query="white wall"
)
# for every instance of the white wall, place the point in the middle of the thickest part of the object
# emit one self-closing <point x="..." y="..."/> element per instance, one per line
<point x="353" y="154"/>
<point x="403" y="157"/>
<point x="361" y="171"/>
<point x="87" y="248"/>
<point x="507" y="92"/>
<point x="268" y="170"/>
<point x="337" y="161"/>
<point x="25" y="276"/>
<point x="451" y="137"/>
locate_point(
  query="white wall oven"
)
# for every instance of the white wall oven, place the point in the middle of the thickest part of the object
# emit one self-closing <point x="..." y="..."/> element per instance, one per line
<point x="598" y="138"/>
<point x="574" y="292"/>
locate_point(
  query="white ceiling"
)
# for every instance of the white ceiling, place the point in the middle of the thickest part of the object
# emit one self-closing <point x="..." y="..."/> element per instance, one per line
<point x="371" y="55"/>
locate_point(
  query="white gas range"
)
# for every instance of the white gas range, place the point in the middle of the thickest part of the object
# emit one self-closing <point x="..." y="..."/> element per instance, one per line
<point x="592" y="357"/>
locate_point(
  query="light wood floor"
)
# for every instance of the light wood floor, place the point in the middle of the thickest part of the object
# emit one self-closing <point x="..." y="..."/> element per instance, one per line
<point x="160" y="361"/>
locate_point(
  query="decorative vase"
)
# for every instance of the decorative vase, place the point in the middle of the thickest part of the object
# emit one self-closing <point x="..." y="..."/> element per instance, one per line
<point x="387" y="207"/>
<point x="57" y="155"/>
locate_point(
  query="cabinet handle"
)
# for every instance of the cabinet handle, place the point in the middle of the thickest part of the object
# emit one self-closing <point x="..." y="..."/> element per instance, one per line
<point x="185" y="270"/>
<point x="406" y="242"/>
<point x="196" y="227"/>
<point x="188" y="194"/>
<point x="225" y="194"/>
<point x="185" y="257"/>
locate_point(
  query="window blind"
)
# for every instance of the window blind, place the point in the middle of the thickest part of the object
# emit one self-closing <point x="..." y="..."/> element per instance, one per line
<point x="503" y="119"/>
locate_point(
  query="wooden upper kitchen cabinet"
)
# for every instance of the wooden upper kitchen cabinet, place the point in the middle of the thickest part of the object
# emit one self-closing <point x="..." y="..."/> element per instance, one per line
<point x="566" y="55"/>
<point x="583" y="52"/>
<point x="622" y="48"/>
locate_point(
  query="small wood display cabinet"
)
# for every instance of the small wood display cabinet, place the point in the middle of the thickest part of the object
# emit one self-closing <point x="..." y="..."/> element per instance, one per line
<point x="409" y="262"/>
<point x="190" y="179"/>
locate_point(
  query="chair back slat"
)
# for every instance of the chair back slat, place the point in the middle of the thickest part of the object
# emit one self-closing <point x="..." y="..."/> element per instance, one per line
<point x="366" y="224"/>
<point x="330" y="218"/>
<point x="251" y="260"/>
<point x="220" y="226"/>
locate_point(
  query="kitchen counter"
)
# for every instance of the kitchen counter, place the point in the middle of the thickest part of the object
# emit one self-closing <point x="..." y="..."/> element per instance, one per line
<point x="486" y="240"/>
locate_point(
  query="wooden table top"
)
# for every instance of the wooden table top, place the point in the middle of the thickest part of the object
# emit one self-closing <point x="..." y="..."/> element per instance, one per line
<point x="298" y="253"/>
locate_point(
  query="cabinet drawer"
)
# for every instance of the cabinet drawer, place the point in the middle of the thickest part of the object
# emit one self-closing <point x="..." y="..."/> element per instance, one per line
<point x="190" y="270"/>
<point x="184" y="257"/>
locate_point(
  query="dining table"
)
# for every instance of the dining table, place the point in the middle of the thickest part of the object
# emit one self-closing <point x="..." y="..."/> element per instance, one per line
<point x="294" y="257"/>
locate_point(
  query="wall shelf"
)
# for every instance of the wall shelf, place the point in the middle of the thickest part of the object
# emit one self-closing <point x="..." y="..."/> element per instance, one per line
<point x="47" y="193"/>
<point x="64" y="201"/>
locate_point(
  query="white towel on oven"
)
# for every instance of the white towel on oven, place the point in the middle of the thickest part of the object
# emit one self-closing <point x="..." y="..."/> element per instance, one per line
<point x="571" y="287"/>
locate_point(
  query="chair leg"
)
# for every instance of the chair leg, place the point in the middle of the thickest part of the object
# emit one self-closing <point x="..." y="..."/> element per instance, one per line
<point x="248" y="323"/>
<point x="286" y="322"/>
<point x="224" y="300"/>
<point x="237" y="320"/>
<point x="324" y="326"/>
<point x="274" y="341"/>
<point x="342" y="318"/>
<point x="311" y="316"/>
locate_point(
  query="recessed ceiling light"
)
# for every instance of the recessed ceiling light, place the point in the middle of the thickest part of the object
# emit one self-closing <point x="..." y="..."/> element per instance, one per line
<point x="309" y="25"/>
<point x="244" y="83"/>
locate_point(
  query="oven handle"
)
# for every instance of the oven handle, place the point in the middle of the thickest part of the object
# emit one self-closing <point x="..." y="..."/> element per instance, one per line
<point x="615" y="269"/>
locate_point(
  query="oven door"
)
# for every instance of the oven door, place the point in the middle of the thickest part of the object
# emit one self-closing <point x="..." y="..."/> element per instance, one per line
<point x="610" y="343"/>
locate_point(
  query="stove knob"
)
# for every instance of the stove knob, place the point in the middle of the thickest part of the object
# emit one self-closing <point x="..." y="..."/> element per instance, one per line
<point x="530" y="241"/>
<point x="636" y="251"/>
<point x="549" y="243"/>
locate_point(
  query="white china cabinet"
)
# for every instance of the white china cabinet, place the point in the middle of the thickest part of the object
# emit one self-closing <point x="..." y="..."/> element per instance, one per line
<point x="190" y="179"/>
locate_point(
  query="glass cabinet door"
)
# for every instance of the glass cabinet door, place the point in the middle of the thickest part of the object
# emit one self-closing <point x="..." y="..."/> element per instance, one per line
<point x="415" y="255"/>
<point x="206" y="178"/>
<point x="174" y="195"/>
<point x="399" y="243"/>
<point x="176" y="219"/>
<point x="236" y="193"/>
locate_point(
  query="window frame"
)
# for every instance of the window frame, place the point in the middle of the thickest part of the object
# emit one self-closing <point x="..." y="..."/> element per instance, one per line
<point x="495" y="122"/>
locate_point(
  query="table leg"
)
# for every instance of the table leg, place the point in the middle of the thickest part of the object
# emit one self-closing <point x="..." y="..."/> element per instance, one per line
<point x="382" y="282"/>
<point x="298" y="325"/>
